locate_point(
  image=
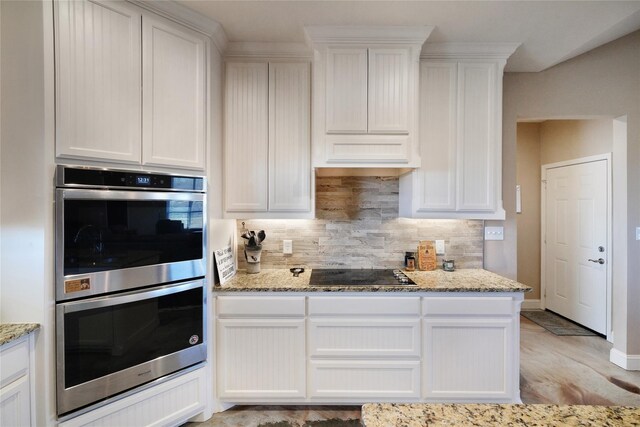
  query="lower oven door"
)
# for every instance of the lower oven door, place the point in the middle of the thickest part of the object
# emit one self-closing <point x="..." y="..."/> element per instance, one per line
<point x="113" y="343"/>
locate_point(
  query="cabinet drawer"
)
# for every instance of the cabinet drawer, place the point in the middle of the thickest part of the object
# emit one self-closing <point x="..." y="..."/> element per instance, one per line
<point x="489" y="306"/>
<point x="362" y="381"/>
<point x="369" y="305"/>
<point x="14" y="362"/>
<point x="261" y="306"/>
<point x="364" y="337"/>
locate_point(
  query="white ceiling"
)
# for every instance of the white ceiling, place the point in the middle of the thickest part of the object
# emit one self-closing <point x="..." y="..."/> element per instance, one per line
<point x="550" y="31"/>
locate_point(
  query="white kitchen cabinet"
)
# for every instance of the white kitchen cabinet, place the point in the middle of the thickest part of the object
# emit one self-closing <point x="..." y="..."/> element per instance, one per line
<point x="16" y="383"/>
<point x="130" y="86"/>
<point x="98" y="80"/>
<point x="267" y="148"/>
<point x="365" y="107"/>
<point x="364" y="347"/>
<point x="261" y="349"/>
<point x="470" y="349"/>
<point x="460" y="138"/>
<point x="173" y="121"/>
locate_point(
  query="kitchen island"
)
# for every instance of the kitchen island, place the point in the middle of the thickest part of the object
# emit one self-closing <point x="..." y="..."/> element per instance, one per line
<point x="419" y="415"/>
<point x="453" y="337"/>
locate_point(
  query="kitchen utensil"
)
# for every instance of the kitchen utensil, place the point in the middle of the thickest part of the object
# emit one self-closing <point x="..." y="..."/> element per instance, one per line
<point x="296" y="271"/>
<point x="261" y="236"/>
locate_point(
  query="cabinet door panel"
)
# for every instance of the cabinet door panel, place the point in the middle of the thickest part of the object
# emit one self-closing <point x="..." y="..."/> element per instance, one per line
<point x="346" y="90"/>
<point x="98" y="105"/>
<point x="15" y="409"/>
<point x="389" y="91"/>
<point x="174" y="95"/>
<point x="289" y="137"/>
<point x="468" y="358"/>
<point x="476" y="136"/>
<point x="437" y="136"/>
<point x="261" y="359"/>
<point x="246" y="147"/>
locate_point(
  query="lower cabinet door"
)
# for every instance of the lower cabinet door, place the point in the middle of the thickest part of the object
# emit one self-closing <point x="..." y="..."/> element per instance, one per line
<point x="261" y="359"/>
<point x="15" y="409"/>
<point x="469" y="359"/>
<point x="364" y="380"/>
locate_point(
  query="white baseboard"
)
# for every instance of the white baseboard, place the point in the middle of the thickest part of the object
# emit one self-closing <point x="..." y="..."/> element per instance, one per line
<point x="630" y="362"/>
<point x="531" y="304"/>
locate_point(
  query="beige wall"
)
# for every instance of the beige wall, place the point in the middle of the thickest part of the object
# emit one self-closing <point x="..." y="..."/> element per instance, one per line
<point x="604" y="82"/>
<point x="571" y="139"/>
<point x="528" y="167"/>
<point x="543" y="143"/>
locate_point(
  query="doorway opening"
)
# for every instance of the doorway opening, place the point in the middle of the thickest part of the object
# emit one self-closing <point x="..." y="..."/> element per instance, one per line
<point x="563" y="145"/>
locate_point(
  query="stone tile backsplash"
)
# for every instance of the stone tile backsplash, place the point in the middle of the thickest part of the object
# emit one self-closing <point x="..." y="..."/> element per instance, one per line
<point x="357" y="226"/>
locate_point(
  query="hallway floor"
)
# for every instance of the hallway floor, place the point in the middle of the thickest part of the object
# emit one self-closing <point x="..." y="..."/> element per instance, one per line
<point x="553" y="369"/>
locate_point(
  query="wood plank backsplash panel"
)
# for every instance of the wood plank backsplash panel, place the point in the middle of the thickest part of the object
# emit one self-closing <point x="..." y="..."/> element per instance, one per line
<point x="357" y="226"/>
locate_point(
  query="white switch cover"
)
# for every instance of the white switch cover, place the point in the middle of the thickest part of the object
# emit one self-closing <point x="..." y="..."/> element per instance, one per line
<point x="439" y="247"/>
<point x="637" y="233"/>
<point x="494" y="233"/>
<point x="287" y="247"/>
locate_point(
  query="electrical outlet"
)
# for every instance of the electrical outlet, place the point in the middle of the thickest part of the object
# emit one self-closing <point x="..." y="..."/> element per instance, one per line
<point x="439" y="247"/>
<point x="494" y="233"/>
<point x="287" y="247"/>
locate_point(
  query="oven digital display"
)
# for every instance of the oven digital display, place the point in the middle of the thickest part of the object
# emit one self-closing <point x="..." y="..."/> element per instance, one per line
<point x="143" y="180"/>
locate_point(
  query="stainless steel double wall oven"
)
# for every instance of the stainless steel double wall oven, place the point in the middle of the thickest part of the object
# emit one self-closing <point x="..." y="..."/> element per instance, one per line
<point x="130" y="294"/>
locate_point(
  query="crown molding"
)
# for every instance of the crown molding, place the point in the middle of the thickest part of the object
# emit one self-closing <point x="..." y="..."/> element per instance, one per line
<point x="185" y="16"/>
<point x="468" y="50"/>
<point x="350" y="34"/>
<point x="271" y="50"/>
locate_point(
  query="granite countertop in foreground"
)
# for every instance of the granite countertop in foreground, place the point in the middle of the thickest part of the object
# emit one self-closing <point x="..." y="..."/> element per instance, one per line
<point x="461" y="280"/>
<point x="511" y="415"/>
<point x="12" y="331"/>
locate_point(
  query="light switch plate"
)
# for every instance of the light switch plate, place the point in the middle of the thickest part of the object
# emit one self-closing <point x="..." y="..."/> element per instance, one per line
<point x="287" y="247"/>
<point x="494" y="233"/>
<point x="637" y="233"/>
<point x="439" y="247"/>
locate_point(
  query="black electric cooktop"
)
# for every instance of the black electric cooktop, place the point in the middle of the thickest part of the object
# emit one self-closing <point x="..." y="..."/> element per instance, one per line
<point x="357" y="277"/>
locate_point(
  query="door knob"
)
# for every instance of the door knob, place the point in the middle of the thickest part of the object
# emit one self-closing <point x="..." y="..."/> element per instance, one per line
<point x="599" y="260"/>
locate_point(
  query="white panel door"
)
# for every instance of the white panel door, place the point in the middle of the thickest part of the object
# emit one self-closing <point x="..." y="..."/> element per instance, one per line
<point x="289" y="137"/>
<point x="468" y="358"/>
<point x="246" y="145"/>
<point x="576" y="227"/>
<point x="476" y="136"/>
<point x="388" y="90"/>
<point x="346" y="109"/>
<point x="437" y="176"/>
<point x="174" y="95"/>
<point x="98" y="73"/>
<point x="261" y="359"/>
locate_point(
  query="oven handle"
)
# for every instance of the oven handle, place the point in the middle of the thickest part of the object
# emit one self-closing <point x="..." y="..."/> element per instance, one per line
<point x="109" y="300"/>
<point x="81" y="194"/>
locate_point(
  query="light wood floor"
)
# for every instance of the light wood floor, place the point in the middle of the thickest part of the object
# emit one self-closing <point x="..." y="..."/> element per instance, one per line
<point x="553" y="369"/>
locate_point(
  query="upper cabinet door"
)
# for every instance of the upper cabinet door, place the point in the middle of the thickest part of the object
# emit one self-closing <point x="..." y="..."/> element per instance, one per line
<point x="246" y="128"/>
<point x="346" y="90"/>
<point x="437" y="175"/>
<point x="97" y="80"/>
<point x="389" y="90"/>
<point x="289" y="137"/>
<point x="476" y="136"/>
<point x="174" y="92"/>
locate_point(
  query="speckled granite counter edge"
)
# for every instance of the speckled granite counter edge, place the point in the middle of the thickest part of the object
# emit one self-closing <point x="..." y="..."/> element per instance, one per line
<point x="379" y="289"/>
<point x="10" y="332"/>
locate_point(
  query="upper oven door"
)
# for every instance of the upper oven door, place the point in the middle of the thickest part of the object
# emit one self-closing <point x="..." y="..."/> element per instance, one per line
<point x="114" y="240"/>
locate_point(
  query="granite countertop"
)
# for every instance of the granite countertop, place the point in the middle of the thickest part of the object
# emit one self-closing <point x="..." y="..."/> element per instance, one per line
<point x="511" y="415"/>
<point x="12" y="331"/>
<point x="461" y="280"/>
